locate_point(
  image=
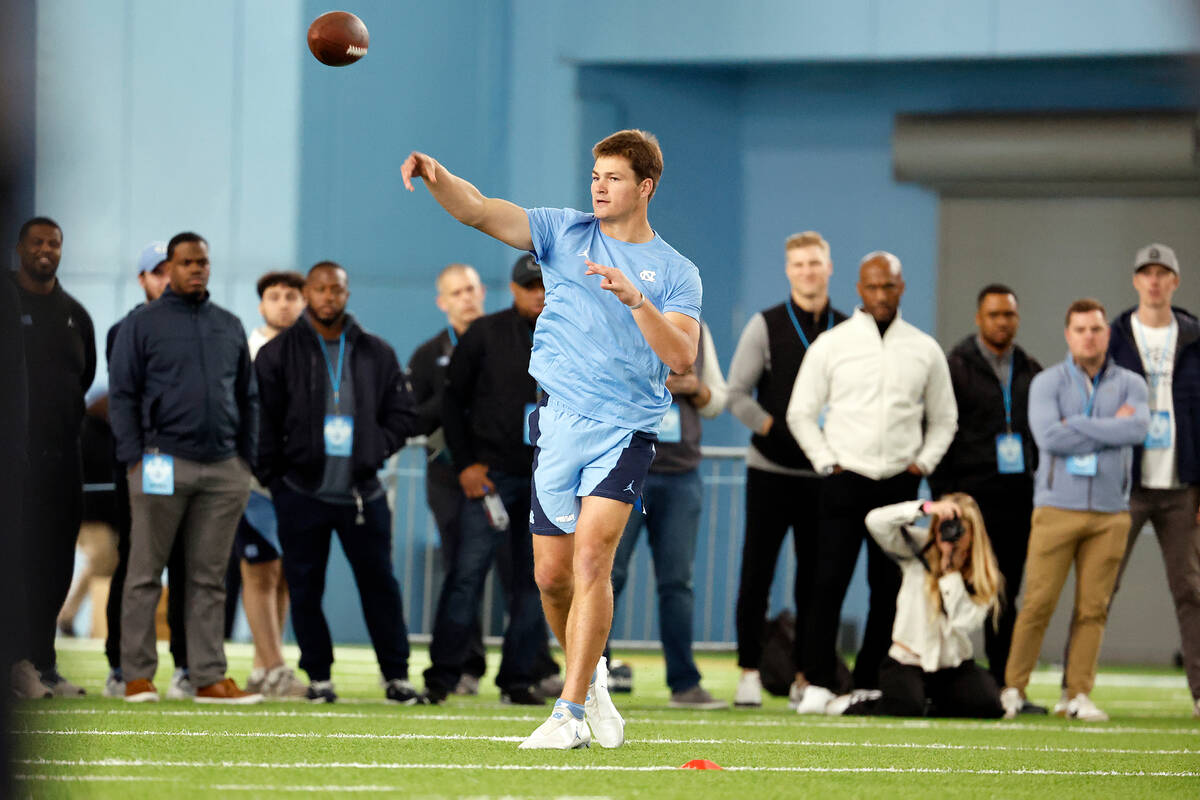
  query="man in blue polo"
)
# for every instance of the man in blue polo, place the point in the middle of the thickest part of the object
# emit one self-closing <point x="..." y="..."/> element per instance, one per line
<point x="622" y="310"/>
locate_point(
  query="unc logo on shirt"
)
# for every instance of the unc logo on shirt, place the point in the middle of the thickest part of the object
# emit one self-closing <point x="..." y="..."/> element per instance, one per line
<point x="646" y="275"/>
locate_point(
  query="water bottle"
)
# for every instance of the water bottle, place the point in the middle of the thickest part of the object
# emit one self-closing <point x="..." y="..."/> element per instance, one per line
<point x="497" y="514"/>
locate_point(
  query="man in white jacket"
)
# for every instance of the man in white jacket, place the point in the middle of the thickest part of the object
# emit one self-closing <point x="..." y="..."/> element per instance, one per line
<point x="883" y="389"/>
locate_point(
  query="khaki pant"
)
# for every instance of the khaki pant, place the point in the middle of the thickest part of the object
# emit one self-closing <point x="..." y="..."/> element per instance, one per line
<point x="207" y="502"/>
<point x="1095" y="542"/>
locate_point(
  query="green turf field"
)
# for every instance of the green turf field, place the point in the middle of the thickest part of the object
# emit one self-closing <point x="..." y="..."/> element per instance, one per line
<point x="467" y="747"/>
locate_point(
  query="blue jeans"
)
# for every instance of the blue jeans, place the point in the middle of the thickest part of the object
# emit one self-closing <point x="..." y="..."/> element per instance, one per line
<point x="525" y="638"/>
<point x="672" y="519"/>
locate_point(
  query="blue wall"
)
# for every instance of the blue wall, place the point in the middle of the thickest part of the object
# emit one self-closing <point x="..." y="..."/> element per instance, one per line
<point x="775" y="116"/>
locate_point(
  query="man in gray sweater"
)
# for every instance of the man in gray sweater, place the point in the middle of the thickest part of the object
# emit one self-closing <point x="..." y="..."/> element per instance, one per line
<point x="1086" y="414"/>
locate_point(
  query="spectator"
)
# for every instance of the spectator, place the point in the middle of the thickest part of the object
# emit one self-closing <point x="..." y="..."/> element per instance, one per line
<point x="1086" y="414"/>
<point x="782" y="490"/>
<point x="1162" y="344"/>
<point x="889" y="416"/>
<point x="993" y="456"/>
<point x="321" y="445"/>
<point x="460" y="297"/>
<point x="152" y="277"/>
<point x="256" y="544"/>
<point x="489" y="395"/>
<point x="951" y="585"/>
<point x="184" y="411"/>
<point x="60" y="360"/>
<point x="671" y="514"/>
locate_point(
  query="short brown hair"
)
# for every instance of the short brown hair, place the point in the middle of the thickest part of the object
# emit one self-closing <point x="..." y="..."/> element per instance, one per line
<point x="806" y="239"/>
<point x="639" y="148"/>
<point x="1083" y="306"/>
<point x="284" y="277"/>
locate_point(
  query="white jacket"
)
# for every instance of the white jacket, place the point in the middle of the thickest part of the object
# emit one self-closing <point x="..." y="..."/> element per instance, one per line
<point x="888" y="400"/>
<point x="924" y="636"/>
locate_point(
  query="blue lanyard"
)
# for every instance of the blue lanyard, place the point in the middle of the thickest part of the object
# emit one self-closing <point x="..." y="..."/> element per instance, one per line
<point x="335" y="380"/>
<point x="1087" y="401"/>
<point x="1006" y="390"/>
<point x="453" y="336"/>
<point x="796" y="322"/>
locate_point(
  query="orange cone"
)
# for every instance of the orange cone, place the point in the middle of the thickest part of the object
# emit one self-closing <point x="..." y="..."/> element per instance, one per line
<point x="701" y="763"/>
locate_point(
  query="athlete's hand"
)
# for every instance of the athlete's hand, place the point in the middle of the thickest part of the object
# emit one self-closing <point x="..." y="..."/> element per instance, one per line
<point x="418" y="165"/>
<point x="615" y="281"/>
<point x="474" y="481"/>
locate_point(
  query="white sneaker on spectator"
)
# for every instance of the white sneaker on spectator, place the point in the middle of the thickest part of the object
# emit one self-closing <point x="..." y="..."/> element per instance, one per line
<point x="814" y="700"/>
<point x="1011" y="700"/>
<point x="1083" y="709"/>
<point x="181" y="686"/>
<point x="282" y="682"/>
<point x="561" y="732"/>
<point x="114" y="685"/>
<point x="27" y="682"/>
<point x="749" y="690"/>
<point x="61" y="686"/>
<point x="1060" y="708"/>
<point x="257" y="681"/>
<point x="838" y="705"/>
<point x="607" y="724"/>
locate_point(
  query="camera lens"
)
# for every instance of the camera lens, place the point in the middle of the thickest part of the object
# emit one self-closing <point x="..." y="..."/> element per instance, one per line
<point x="951" y="530"/>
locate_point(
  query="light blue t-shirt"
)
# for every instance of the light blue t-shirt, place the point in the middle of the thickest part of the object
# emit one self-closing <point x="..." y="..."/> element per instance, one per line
<point x="587" y="349"/>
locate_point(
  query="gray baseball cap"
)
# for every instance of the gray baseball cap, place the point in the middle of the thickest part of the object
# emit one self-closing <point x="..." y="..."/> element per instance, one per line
<point x="1156" y="254"/>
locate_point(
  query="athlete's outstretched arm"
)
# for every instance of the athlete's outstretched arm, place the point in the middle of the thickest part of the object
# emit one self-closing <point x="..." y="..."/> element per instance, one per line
<point x="497" y="218"/>
<point x="673" y="337"/>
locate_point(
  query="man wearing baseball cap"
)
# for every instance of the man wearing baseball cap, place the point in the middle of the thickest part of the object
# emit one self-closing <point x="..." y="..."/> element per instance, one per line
<point x="1162" y="344"/>
<point x="485" y="414"/>
<point x="152" y="277"/>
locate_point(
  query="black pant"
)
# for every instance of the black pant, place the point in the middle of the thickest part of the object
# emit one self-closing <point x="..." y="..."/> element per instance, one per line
<point x="1007" y="507"/>
<point x="50" y="523"/>
<point x="176" y="577"/>
<point x="774" y="503"/>
<point x="967" y="690"/>
<point x="445" y="497"/>
<point x="306" y="527"/>
<point x="525" y="639"/>
<point x="845" y="500"/>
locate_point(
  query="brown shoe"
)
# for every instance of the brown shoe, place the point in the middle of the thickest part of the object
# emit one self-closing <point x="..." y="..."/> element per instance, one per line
<point x="140" y="691"/>
<point x="226" y="691"/>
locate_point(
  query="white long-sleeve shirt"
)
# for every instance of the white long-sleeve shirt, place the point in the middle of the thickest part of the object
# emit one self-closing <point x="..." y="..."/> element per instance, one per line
<point x="923" y="635"/>
<point x="888" y="400"/>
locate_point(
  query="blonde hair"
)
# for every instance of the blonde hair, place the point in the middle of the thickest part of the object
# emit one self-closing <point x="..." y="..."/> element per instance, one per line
<point x="806" y="239"/>
<point x="980" y="573"/>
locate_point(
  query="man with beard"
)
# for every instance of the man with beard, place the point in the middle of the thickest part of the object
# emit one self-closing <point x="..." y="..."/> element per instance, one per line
<point x="335" y="406"/>
<point x="60" y="359"/>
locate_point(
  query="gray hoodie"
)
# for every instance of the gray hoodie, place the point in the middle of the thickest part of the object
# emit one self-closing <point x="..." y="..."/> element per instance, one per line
<point x="1062" y="429"/>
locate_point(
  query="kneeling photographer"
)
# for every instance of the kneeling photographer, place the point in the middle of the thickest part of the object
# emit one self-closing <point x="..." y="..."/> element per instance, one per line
<point x="950" y="586"/>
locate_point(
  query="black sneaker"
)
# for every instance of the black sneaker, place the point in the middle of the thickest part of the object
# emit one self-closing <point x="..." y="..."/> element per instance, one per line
<point x="523" y="696"/>
<point x="1032" y="708"/>
<point x="432" y="696"/>
<point x="620" y="677"/>
<point x="401" y="691"/>
<point x="320" y="692"/>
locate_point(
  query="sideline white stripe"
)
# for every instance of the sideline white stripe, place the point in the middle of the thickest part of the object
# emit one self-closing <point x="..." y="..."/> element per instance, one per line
<point x="662" y="768"/>
<point x="789" y="721"/>
<point x="737" y="741"/>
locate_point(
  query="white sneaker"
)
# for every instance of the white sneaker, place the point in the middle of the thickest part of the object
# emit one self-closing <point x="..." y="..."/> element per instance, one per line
<point x="1083" y="709"/>
<point x="838" y="705"/>
<point x="749" y="691"/>
<point x="1011" y="701"/>
<point x="608" y="727"/>
<point x="795" y="692"/>
<point x="814" y="700"/>
<point x="561" y="732"/>
<point x="113" y="685"/>
<point x="1060" y="708"/>
<point x="181" y="686"/>
<point x="282" y="682"/>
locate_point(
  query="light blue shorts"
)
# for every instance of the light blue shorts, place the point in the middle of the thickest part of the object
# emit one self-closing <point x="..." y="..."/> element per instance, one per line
<point x="575" y="456"/>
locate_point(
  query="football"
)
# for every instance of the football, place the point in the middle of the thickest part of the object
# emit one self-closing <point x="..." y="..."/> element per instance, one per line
<point x="338" y="38"/>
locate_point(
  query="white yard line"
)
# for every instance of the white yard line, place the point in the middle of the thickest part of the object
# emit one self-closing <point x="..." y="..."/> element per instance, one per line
<point x="787" y="720"/>
<point x="690" y="741"/>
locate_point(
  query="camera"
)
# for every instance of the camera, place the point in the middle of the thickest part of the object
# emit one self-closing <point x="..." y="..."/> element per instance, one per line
<point x="951" y="530"/>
